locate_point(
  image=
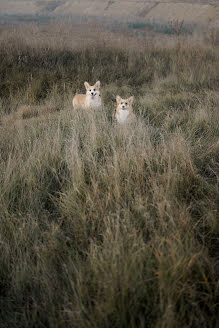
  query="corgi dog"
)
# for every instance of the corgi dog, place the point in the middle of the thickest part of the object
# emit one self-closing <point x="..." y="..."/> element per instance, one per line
<point x="92" y="98"/>
<point x="124" y="112"/>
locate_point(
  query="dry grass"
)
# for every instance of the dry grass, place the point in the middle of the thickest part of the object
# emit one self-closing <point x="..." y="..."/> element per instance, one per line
<point x="102" y="225"/>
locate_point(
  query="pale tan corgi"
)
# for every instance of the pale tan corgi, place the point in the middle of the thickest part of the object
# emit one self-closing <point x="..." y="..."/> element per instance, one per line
<point x="92" y="98"/>
<point x="124" y="112"/>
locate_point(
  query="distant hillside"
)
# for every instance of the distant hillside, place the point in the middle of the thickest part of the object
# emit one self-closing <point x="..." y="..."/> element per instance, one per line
<point x="191" y="11"/>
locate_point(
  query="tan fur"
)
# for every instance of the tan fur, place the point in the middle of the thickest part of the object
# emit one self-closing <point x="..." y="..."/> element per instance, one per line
<point x="124" y="106"/>
<point x="86" y="101"/>
<point x="79" y="101"/>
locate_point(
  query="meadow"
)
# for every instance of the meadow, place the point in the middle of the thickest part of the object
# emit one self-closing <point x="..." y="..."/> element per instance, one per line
<point x="105" y="225"/>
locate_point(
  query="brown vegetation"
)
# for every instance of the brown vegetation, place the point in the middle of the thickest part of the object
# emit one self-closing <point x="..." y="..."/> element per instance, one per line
<point x="101" y="225"/>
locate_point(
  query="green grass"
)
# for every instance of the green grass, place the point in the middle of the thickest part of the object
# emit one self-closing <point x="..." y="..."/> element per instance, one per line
<point x="103" y="225"/>
<point x="24" y="19"/>
<point x="169" y="29"/>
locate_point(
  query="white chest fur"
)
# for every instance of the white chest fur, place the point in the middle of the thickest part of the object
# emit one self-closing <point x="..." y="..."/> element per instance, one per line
<point x="122" y="116"/>
<point x="93" y="102"/>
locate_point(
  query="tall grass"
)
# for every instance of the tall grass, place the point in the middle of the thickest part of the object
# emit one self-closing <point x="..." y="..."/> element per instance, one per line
<point x="103" y="225"/>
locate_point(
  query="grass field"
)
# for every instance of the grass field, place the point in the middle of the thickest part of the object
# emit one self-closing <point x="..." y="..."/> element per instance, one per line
<point x="103" y="225"/>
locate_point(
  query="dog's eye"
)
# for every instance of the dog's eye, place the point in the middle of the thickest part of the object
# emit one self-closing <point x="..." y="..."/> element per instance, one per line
<point x="90" y="90"/>
<point x="94" y="89"/>
<point x="126" y="103"/>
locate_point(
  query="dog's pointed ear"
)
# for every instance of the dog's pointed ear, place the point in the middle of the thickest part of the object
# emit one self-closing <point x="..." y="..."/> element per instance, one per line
<point x="97" y="84"/>
<point x="131" y="99"/>
<point x="87" y="85"/>
<point x="118" y="98"/>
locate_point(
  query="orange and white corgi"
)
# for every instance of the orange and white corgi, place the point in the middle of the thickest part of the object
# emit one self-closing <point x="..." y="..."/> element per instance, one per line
<point x="124" y="112"/>
<point x="92" y="98"/>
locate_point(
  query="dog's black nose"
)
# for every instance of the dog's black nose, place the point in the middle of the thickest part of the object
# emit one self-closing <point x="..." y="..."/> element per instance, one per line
<point x="92" y="93"/>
